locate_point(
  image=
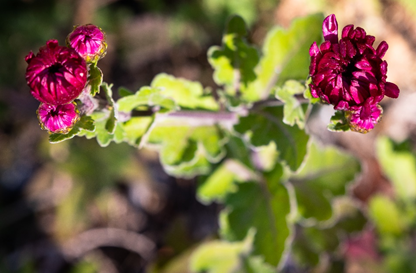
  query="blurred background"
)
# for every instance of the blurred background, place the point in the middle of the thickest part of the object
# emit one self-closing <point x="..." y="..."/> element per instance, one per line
<point x="56" y="200"/>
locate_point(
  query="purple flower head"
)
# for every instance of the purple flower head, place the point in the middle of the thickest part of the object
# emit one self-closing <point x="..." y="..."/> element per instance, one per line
<point x="88" y="41"/>
<point x="57" y="118"/>
<point x="349" y="72"/>
<point x="56" y="75"/>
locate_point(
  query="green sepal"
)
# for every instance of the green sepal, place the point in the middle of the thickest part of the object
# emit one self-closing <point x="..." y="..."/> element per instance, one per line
<point x="95" y="79"/>
<point x="339" y="122"/>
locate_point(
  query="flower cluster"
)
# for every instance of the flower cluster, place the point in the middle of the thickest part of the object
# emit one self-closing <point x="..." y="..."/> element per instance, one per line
<point x="350" y="74"/>
<point x="57" y="75"/>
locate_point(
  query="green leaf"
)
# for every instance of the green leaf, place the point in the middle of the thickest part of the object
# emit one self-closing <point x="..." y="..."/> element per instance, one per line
<point x="325" y="175"/>
<point x="85" y="123"/>
<point x="286" y="54"/>
<point x="313" y="241"/>
<point x="111" y="122"/>
<point x="186" y="150"/>
<point x="185" y="93"/>
<point x="235" y="61"/>
<point x="386" y="215"/>
<point x="264" y="207"/>
<point x="220" y="256"/>
<point x="146" y="96"/>
<point x="124" y="92"/>
<point x="293" y="110"/>
<point x="265" y="125"/>
<point x="95" y="79"/>
<point x="400" y="168"/>
<point x="339" y="122"/>
<point x="221" y="181"/>
<point x="135" y="128"/>
<point x="255" y="264"/>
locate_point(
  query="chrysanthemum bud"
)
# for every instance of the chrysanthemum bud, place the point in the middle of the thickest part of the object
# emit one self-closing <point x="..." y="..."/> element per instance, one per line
<point x="56" y="75"/>
<point x="57" y="118"/>
<point x="88" y="41"/>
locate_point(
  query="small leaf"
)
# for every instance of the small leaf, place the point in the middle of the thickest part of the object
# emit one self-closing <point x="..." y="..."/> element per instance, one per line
<point x="146" y="96"/>
<point x="221" y="181"/>
<point x="135" y="128"/>
<point x="220" y="256"/>
<point x="325" y="175"/>
<point x="187" y="94"/>
<point x="294" y="111"/>
<point x="339" y="122"/>
<point x="124" y="92"/>
<point x="265" y="125"/>
<point x="95" y="79"/>
<point x="184" y="148"/>
<point x="86" y="123"/>
<point x="56" y="138"/>
<point x="264" y="207"/>
<point x="111" y="122"/>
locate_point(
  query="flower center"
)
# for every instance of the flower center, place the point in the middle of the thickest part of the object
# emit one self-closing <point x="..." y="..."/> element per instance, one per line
<point x="348" y="69"/>
<point x="55" y="68"/>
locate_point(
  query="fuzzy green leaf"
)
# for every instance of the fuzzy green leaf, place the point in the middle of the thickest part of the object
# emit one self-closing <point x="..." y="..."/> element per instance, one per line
<point x="187" y="94"/>
<point x="261" y="206"/>
<point x="235" y="60"/>
<point x="265" y="126"/>
<point x="85" y="123"/>
<point x="339" y="122"/>
<point x="95" y="79"/>
<point x="325" y="175"/>
<point x="186" y="150"/>
<point x="220" y="256"/>
<point x="146" y="96"/>
<point x="294" y="111"/>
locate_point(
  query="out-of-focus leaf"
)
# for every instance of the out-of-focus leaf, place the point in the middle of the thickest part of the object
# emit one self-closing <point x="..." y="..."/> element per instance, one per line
<point x="265" y="125"/>
<point x="324" y="176"/>
<point x="221" y="181"/>
<point x="293" y="110"/>
<point x="286" y="52"/>
<point x="220" y="256"/>
<point x="255" y="264"/>
<point x="261" y="206"/>
<point x="110" y="124"/>
<point x="235" y="60"/>
<point x="386" y="216"/>
<point x="186" y="150"/>
<point x="146" y="96"/>
<point x="400" y="167"/>
<point x="135" y="128"/>
<point x="311" y="242"/>
<point x="95" y="79"/>
<point x="185" y="93"/>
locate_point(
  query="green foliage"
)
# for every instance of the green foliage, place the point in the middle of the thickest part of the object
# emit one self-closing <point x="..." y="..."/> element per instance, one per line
<point x="325" y="175"/>
<point x="95" y="79"/>
<point x="293" y="110"/>
<point x="235" y="61"/>
<point x="186" y="94"/>
<point x="85" y="123"/>
<point x="220" y="256"/>
<point x="338" y="122"/>
<point x="386" y="215"/>
<point x="285" y="54"/>
<point x="399" y="166"/>
<point x="146" y="96"/>
<point x="266" y="204"/>
<point x="186" y="150"/>
<point x="266" y="125"/>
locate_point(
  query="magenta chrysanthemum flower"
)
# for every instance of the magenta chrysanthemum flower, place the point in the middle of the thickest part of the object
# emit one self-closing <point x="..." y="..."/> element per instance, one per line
<point x="350" y="73"/>
<point x="56" y="75"/>
<point x="57" y="118"/>
<point x="363" y="118"/>
<point x="88" y="41"/>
